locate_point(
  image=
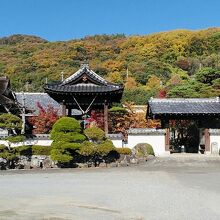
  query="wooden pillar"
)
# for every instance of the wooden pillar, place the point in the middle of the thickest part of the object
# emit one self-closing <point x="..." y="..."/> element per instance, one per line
<point x="106" y="118"/>
<point x="69" y="111"/>
<point x="167" y="139"/>
<point x="207" y="139"/>
<point x="63" y="108"/>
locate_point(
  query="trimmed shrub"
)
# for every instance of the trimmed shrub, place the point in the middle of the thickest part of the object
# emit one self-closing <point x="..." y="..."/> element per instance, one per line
<point x="60" y="156"/>
<point x="143" y="150"/>
<point x="66" y="124"/>
<point x="67" y="140"/>
<point x="124" y="151"/>
<point x="71" y="146"/>
<point x="67" y="137"/>
<point x="41" y="150"/>
<point x="116" y="109"/>
<point x="105" y="148"/>
<point x="87" y="149"/>
<point x="95" y="134"/>
<point x="2" y="147"/>
<point x="10" y="122"/>
<point x="14" y="139"/>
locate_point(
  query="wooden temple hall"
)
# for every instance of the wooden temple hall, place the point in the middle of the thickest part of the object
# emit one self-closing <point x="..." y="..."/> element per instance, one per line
<point x="85" y="91"/>
<point x="188" y="123"/>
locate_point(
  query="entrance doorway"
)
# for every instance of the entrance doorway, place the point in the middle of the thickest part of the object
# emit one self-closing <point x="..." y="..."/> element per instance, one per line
<point x="185" y="136"/>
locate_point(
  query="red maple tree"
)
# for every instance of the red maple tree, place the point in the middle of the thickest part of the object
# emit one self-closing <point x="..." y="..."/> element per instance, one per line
<point x="96" y="119"/>
<point x="43" y="122"/>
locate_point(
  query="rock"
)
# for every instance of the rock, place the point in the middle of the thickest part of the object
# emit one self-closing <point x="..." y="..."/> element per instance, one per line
<point x="134" y="161"/>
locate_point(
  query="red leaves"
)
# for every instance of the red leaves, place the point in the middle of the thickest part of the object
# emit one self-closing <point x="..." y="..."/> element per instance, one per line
<point x="96" y="119"/>
<point x="162" y="93"/>
<point x="45" y="119"/>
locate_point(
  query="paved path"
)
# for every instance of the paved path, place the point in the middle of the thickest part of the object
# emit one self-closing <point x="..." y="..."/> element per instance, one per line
<point x="165" y="188"/>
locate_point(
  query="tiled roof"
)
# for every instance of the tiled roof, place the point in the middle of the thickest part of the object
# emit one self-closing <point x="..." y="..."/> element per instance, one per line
<point x="31" y="100"/>
<point x="179" y="106"/>
<point x="145" y="131"/>
<point x="118" y="136"/>
<point x="82" y="88"/>
<point x="85" y="70"/>
<point x="84" y="81"/>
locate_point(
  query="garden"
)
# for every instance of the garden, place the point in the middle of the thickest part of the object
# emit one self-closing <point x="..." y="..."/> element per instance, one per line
<point x="72" y="147"/>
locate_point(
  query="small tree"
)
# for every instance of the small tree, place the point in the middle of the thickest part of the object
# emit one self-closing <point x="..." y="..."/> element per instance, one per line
<point x="107" y="152"/>
<point x="67" y="139"/>
<point x="11" y="122"/>
<point x="95" y="134"/>
<point x="99" y="148"/>
<point x="45" y="119"/>
<point x="88" y="151"/>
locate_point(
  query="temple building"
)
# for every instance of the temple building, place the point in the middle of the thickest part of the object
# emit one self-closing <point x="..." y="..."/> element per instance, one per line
<point x="8" y="102"/>
<point x="85" y="91"/>
<point x="188" y="123"/>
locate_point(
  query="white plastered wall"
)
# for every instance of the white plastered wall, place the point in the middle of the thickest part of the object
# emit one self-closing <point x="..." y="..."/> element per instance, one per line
<point x="117" y="142"/>
<point x="215" y="138"/>
<point x="28" y="142"/>
<point x="157" y="141"/>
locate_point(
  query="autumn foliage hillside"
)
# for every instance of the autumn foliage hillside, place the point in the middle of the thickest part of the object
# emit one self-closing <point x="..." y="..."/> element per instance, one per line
<point x="178" y="63"/>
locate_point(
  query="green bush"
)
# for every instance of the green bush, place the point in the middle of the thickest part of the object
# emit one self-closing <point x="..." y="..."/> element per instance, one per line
<point x="2" y="147"/>
<point x="41" y="150"/>
<point x="60" y="156"/>
<point x="124" y="151"/>
<point x="71" y="146"/>
<point x="116" y="109"/>
<point x="10" y="122"/>
<point x="95" y="134"/>
<point x="68" y="130"/>
<point x="67" y="139"/>
<point x="105" y="148"/>
<point x="143" y="150"/>
<point x="15" y="139"/>
<point x="87" y="149"/>
<point x="66" y="125"/>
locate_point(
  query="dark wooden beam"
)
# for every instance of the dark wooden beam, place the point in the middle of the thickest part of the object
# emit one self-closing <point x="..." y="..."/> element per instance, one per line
<point x="106" y="118"/>
<point x="167" y="139"/>
<point x="69" y="111"/>
<point x="63" y="108"/>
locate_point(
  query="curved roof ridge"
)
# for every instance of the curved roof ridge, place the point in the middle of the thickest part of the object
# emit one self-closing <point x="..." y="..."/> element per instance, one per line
<point x="97" y="76"/>
<point x="73" y="76"/>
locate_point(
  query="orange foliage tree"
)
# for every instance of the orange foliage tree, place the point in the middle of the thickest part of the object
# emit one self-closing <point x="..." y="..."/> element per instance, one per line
<point x="121" y="119"/>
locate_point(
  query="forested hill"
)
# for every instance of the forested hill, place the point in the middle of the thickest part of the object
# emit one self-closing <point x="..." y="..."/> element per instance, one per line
<point x="178" y="63"/>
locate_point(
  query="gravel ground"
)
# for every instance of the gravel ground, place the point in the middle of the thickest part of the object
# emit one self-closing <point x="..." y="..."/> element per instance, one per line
<point x="163" y="188"/>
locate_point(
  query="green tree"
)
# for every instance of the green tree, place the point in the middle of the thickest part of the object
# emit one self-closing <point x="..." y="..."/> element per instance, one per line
<point x="192" y="89"/>
<point x="67" y="138"/>
<point x="208" y="75"/>
<point x="11" y="122"/>
<point x="95" y="134"/>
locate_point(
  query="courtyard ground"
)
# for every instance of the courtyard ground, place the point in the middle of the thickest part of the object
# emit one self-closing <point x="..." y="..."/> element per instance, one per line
<point x="164" y="188"/>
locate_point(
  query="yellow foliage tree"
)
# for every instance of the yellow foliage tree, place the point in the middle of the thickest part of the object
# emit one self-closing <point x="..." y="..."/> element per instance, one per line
<point x="153" y="83"/>
<point x="130" y="83"/>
